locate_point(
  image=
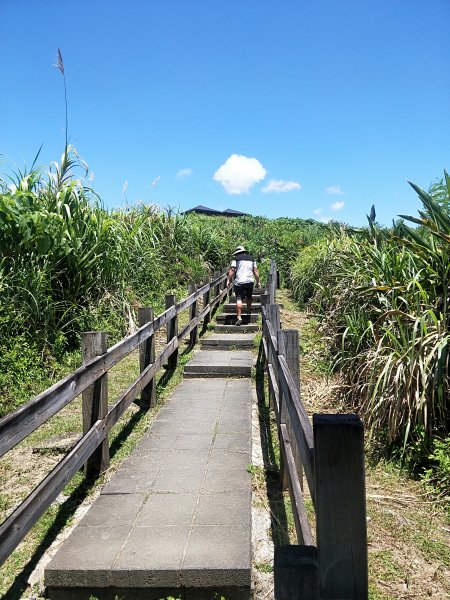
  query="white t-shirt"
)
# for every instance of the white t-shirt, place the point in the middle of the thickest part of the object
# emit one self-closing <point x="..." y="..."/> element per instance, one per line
<point x="244" y="265"/>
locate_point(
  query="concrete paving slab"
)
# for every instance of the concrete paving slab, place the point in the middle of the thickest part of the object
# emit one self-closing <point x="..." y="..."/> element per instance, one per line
<point x="132" y="481"/>
<point x="112" y="506"/>
<point x="235" y="480"/>
<point x="229" y="459"/>
<point x="88" y="556"/>
<point x="189" y="480"/>
<point x="220" y="550"/>
<point x="232" y="441"/>
<point x="230" y="509"/>
<point x="161" y="546"/>
<point x="167" y="509"/>
<point x="234" y="424"/>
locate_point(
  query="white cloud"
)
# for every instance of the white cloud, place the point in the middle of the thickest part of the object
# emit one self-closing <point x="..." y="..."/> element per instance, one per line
<point x="184" y="172"/>
<point x="339" y="205"/>
<point x="317" y="211"/>
<point x="334" y="189"/>
<point x="125" y="186"/>
<point x="325" y="219"/>
<point x="239" y="173"/>
<point x="279" y="186"/>
<point x="156" y="181"/>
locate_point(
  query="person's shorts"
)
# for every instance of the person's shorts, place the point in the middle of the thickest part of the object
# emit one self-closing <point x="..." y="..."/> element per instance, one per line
<point x="243" y="290"/>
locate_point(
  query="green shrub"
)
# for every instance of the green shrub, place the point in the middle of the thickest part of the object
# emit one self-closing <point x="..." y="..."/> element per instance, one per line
<point x="437" y="475"/>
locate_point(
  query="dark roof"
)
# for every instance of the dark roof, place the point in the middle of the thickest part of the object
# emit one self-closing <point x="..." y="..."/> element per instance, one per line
<point x="234" y="213"/>
<point x="204" y="210"/>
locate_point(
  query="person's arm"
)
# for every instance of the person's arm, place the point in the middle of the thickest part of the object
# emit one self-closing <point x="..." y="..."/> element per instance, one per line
<point x="231" y="272"/>
<point x="256" y="274"/>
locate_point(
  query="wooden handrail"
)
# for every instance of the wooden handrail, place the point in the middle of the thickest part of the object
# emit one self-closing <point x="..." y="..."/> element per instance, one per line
<point x="18" y="424"/>
<point x="330" y="452"/>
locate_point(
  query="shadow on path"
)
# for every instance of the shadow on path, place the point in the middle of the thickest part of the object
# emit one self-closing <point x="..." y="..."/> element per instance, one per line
<point x="279" y="522"/>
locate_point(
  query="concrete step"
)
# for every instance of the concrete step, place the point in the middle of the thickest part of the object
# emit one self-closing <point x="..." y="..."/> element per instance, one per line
<point x="221" y="363"/>
<point x="175" y="519"/>
<point x="251" y="328"/>
<point x="230" y="318"/>
<point x="255" y="298"/>
<point x="230" y="341"/>
<point x="230" y="307"/>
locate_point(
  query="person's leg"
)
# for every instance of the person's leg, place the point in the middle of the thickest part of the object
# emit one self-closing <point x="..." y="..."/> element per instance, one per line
<point x="239" y="295"/>
<point x="249" y="292"/>
<point x="238" y="308"/>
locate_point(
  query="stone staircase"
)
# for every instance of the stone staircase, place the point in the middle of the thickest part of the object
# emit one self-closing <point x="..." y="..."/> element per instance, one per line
<point x="175" y="519"/>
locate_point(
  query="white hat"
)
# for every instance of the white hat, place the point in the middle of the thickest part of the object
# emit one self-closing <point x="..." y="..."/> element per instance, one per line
<point x="239" y="250"/>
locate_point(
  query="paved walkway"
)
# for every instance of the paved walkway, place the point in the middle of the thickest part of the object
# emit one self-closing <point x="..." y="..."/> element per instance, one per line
<point x="176" y="517"/>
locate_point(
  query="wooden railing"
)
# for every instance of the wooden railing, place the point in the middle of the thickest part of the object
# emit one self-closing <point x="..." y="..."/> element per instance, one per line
<point x="330" y="453"/>
<point x="90" y="380"/>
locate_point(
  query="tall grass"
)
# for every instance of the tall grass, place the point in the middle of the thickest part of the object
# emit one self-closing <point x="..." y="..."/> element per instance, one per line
<point x="383" y="301"/>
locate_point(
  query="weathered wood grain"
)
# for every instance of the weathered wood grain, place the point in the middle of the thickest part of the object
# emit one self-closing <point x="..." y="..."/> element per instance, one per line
<point x="147" y="357"/>
<point x="172" y="332"/>
<point x="302" y="526"/>
<point x="341" y="507"/>
<point x="95" y="402"/>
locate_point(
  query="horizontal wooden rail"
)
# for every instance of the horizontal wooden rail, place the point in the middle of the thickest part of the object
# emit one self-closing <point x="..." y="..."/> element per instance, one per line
<point x="300" y="424"/>
<point x="302" y="526"/>
<point x="19" y="523"/>
<point x="17" y="425"/>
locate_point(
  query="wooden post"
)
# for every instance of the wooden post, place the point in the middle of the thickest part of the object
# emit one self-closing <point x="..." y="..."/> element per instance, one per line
<point x="215" y="291"/>
<point x="172" y="331"/>
<point x="206" y="297"/>
<point x="95" y="401"/>
<point x="278" y="280"/>
<point x="288" y="346"/>
<point x="216" y="275"/>
<point x="340" y="507"/>
<point x="147" y="357"/>
<point x="193" y="313"/>
<point x="269" y="286"/>
<point x="264" y="303"/>
<point x="296" y="573"/>
<point x="273" y="315"/>
<point x="223" y="285"/>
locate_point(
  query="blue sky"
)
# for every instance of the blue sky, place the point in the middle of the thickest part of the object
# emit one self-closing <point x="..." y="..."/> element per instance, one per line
<point x="312" y="109"/>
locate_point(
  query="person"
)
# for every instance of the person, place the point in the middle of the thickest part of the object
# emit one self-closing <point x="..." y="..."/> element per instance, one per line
<point x="243" y="269"/>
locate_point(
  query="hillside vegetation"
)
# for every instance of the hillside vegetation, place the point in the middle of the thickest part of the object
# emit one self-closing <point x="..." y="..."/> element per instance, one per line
<point x="381" y="295"/>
